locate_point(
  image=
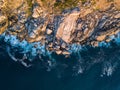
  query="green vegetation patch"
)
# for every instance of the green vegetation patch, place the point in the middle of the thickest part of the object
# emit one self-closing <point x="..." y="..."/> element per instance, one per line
<point x="65" y="4"/>
<point x="30" y="5"/>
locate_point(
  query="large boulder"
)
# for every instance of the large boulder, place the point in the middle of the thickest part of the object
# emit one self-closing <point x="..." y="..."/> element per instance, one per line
<point x="67" y="27"/>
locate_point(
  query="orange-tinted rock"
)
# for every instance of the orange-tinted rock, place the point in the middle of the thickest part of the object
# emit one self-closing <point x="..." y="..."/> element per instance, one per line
<point x="67" y="27"/>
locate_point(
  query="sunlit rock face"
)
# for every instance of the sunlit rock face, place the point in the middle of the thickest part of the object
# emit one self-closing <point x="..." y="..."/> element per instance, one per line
<point x="68" y="26"/>
<point x="97" y="26"/>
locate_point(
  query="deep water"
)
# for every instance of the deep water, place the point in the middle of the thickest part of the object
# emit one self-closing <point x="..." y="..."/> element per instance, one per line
<point x="94" y="69"/>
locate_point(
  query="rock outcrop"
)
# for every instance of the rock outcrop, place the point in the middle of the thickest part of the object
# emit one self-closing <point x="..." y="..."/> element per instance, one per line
<point x="67" y="27"/>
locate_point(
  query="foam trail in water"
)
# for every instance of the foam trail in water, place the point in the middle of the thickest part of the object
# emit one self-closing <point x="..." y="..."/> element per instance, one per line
<point x="16" y="59"/>
<point x="9" y="53"/>
<point x="108" y="68"/>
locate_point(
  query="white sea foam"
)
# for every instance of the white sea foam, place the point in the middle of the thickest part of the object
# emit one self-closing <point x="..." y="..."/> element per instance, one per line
<point x="117" y="39"/>
<point x="109" y="68"/>
<point x="103" y="44"/>
<point x="75" y="48"/>
<point x="29" y="47"/>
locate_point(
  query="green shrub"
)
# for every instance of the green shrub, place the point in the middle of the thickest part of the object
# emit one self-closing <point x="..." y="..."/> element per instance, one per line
<point x="61" y="5"/>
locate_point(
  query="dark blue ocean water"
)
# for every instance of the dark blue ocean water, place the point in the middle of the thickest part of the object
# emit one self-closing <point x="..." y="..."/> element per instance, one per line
<point x="64" y="76"/>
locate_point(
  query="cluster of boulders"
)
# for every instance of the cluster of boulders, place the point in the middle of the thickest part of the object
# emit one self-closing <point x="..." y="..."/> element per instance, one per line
<point x="88" y="29"/>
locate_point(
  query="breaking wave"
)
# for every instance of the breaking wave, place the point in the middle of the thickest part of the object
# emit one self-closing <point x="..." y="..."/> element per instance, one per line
<point x="82" y="58"/>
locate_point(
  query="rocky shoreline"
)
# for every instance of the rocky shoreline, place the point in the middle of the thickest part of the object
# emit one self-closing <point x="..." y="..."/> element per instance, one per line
<point x="58" y="32"/>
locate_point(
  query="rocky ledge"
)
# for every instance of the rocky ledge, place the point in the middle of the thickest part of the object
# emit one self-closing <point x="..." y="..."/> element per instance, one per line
<point x="83" y="24"/>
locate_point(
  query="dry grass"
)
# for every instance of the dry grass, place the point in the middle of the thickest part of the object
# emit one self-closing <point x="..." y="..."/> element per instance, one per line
<point x="10" y="5"/>
<point x="117" y="4"/>
<point x="102" y="4"/>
